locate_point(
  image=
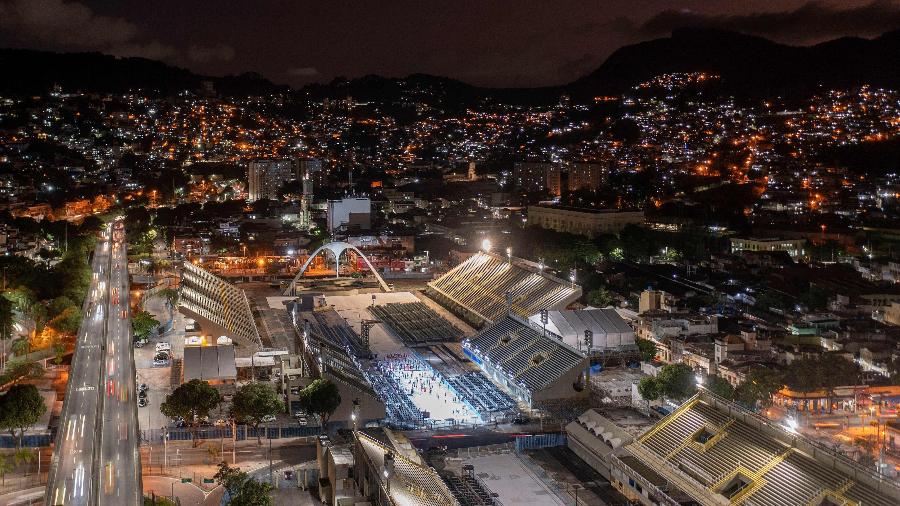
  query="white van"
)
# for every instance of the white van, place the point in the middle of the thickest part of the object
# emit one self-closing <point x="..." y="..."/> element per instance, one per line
<point x="163" y="347"/>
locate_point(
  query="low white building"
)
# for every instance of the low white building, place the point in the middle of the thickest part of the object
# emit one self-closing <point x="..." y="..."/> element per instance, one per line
<point x="609" y="330"/>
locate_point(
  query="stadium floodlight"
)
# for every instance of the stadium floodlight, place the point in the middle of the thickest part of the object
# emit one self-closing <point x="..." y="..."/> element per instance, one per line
<point x="486" y="245"/>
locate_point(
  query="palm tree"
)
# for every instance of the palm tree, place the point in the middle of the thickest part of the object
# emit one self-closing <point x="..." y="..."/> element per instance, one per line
<point x="7" y="320"/>
<point x="5" y="467"/>
<point x="24" y="456"/>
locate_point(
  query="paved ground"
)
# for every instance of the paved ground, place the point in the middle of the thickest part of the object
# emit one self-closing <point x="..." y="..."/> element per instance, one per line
<point x="187" y="493"/>
<point x="514" y="483"/>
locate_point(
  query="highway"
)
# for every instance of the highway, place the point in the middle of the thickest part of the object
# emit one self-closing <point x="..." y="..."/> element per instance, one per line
<point x="120" y="470"/>
<point x="101" y="382"/>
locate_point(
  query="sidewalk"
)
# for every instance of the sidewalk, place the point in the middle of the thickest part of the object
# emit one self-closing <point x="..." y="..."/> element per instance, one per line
<point x="29" y="496"/>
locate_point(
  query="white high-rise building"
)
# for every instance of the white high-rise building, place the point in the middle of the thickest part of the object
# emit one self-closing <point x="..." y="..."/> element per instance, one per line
<point x="264" y="177"/>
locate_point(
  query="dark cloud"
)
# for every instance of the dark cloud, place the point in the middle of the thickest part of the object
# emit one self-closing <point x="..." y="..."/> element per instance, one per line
<point x="302" y="72"/>
<point x="496" y="43"/>
<point x="204" y="54"/>
<point x="811" y="22"/>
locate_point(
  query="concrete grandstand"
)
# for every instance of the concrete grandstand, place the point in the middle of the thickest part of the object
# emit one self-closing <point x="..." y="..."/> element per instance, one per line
<point x="535" y="366"/>
<point x="485" y="287"/>
<point x="713" y="452"/>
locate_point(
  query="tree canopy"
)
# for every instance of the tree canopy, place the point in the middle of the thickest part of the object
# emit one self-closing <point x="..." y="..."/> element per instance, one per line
<point x="191" y="401"/>
<point x="21" y="407"/>
<point x="321" y="397"/>
<point x="674" y="381"/>
<point x="253" y="402"/>
<point x="758" y="387"/>
<point x="241" y="488"/>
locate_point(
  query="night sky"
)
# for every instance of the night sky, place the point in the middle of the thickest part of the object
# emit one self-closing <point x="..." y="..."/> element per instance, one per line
<point x="484" y="42"/>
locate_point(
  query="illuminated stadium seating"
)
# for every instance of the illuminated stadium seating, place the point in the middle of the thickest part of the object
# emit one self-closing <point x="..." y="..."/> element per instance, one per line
<point x="415" y="323"/>
<point x="730" y="452"/>
<point x="526" y="358"/>
<point x="329" y="325"/>
<point x="476" y="289"/>
<point x="483" y="395"/>
<point x="401" y="412"/>
<point x="411" y="483"/>
<point x="333" y="356"/>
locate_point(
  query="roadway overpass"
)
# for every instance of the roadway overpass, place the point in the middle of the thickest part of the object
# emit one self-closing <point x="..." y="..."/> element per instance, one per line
<point x="95" y="459"/>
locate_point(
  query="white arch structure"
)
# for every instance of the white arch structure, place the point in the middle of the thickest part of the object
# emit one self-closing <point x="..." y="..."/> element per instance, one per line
<point x="336" y="249"/>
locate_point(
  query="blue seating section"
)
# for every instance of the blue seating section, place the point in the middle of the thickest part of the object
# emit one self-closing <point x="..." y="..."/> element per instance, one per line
<point x="482" y="394"/>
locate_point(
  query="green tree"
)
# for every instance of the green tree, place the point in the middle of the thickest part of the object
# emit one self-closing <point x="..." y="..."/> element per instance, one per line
<point x="601" y="297"/>
<point x="835" y="371"/>
<point x="5" y="467"/>
<point x="649" y="388"/>
<point x="170" y="295"/>
<point x="253" y="402"/>
<point x="253" y="493"/>
<point x="66" y="322"/>
<point x="143" y="323"/>
<point x="7" y="320"/>
<point x="321" y="397"/>
<point x="191" y="401"/>
<point x="758" y="387"/>
<point x="230" y="478"/>
<point x="18" y="369"/>
<point x="720" y="387"/>
<point x="20" y="408"/>
<point x="24" y="456"/>
<point x="677" y="381"/>
<point x="647" y="348"/>
<point x="242" y="489"/>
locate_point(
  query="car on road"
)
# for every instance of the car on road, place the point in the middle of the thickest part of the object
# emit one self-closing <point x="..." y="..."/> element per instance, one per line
<point x="288" y="475"/>
<point x="268" y="419"/>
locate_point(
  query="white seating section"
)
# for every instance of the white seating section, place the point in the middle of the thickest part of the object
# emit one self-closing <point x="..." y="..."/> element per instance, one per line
<point x="415" y="323"/>
<point x="524" y="355"/>
<point x="483" y="395"/>
<point x="480" y="284"/>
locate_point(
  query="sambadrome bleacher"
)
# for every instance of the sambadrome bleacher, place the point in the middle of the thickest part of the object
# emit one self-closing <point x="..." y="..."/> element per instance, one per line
<point x="718" y="453"/>
<point x="415" y="323"/>
<point x="535" y="367"/>
<point x="476" y="290"/>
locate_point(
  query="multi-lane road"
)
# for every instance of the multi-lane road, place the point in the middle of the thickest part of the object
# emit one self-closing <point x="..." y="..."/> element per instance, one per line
<point x="96" y="458"/>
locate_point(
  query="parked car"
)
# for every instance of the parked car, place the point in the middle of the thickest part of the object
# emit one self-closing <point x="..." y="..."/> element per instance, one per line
<point x="140" y="343"/>
<point x="143" y="387"/>
<point x="163" y="347"/>
<point x="268" y="419"/>
<point x="221" y="423"/>
<point x="142" y="402"/>
<point x="142" y="394"/>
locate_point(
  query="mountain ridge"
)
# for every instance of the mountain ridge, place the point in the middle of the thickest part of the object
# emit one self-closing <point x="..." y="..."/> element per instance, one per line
<point x="747" y="64"/>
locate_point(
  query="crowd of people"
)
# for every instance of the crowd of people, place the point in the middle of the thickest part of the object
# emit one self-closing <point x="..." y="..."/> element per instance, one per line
<point x="426" y="388"/>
